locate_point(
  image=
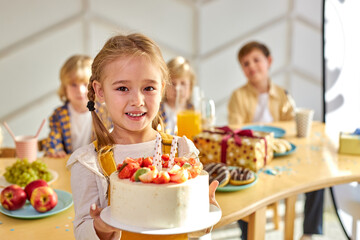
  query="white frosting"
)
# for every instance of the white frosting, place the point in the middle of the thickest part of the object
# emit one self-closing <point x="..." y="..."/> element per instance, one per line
<point x="151" y="205"/>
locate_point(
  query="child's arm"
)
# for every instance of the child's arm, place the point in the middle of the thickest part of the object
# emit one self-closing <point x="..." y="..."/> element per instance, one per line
<point x="54" y="143"/>
<point x="235" y="117"/>
<point x="88" y="187"/>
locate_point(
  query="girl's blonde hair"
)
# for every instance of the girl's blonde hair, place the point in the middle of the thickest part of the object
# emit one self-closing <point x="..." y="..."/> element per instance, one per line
<point x="133" y="45"/>
<point x="179" y="67"/>
<point x="77" y="69"/>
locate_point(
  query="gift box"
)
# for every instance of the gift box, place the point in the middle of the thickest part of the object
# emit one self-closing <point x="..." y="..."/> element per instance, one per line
<point x="246" y="148"/>
<point x="349" y="143"/>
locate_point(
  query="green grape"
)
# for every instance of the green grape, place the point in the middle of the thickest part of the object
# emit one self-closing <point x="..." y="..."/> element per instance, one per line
<point x="22" y="172"/>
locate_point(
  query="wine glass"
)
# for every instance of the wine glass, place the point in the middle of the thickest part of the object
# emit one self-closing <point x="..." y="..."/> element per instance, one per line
<point x="208" y="114"/>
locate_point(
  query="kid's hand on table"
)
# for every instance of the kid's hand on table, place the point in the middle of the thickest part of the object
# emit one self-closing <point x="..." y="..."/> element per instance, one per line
<point x="60" y="154"/>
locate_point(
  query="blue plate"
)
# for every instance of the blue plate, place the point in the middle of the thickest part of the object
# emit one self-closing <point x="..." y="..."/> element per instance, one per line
<point x="28" y="212"/>
<point x="293" y="148"/>
<point x="278" y="132"/>
<point x="234" y="188"/>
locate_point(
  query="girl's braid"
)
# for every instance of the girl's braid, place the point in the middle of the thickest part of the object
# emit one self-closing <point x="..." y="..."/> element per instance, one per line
<point x="91" y="91"/>
<point x="102" y="134"/>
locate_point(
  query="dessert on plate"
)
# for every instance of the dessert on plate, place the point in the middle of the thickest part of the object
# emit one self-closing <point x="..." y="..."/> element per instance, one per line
<point x="171" y="194"/>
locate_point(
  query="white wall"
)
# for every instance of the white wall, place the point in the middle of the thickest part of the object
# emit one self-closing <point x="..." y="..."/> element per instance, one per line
<point x="37" y="36"/>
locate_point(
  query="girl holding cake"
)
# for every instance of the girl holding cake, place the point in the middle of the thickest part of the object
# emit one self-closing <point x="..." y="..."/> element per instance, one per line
<point x="129" y="75"/>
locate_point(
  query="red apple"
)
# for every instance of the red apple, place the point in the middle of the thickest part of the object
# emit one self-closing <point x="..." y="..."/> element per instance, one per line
<point x="13" y="197"/>
<point x="33" y="185"/>
<point x="43" y="199"/>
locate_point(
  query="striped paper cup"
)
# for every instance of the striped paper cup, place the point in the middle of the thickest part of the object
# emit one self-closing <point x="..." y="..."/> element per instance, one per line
<point x="26" y="147"/>
<point x="303" y="119"/>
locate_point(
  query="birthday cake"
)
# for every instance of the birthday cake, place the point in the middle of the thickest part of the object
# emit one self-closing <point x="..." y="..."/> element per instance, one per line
<point x="175" y="196"/>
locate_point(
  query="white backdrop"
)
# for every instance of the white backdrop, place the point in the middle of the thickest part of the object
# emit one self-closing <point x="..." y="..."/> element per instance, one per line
<point x="342" y="53"/>
<point x="342" y="95"/>
<point x="37" y="36"/>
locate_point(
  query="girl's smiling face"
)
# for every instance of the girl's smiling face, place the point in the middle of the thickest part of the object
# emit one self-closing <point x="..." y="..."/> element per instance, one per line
<point x="132" y="89"/>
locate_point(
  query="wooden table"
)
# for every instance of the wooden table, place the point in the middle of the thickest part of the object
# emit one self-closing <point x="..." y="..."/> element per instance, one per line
<point x="315" y="165"/>
<point x="55" y="227"/>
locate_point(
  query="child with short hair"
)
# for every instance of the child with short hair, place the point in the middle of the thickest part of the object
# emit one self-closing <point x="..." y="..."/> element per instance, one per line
<point x="260" y="100"/>
<point x="129" y="74"/>
<point x="178" y="92"/>
<point x="71" y="124"/>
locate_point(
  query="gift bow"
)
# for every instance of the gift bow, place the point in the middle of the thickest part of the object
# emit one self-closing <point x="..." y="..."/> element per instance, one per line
<point x="236" y="134"/>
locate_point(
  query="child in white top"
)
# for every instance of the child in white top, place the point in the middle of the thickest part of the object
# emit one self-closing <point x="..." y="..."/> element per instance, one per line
<point x="259" y="100"/>
<point x="178" y="93"/>
<point x="129" y="75"/>
<point x="71" y="123"/>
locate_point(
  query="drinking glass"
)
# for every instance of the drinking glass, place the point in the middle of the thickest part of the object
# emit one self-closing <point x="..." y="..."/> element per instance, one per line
<point x="208" y="113"/>
<point x="189" y="123"/>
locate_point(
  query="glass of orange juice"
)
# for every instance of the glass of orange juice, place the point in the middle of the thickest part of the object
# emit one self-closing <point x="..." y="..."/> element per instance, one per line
<point x="189" y="123"/>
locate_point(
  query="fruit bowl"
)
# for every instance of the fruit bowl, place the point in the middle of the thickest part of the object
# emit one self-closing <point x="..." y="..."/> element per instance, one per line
<point x="28" y="212"/>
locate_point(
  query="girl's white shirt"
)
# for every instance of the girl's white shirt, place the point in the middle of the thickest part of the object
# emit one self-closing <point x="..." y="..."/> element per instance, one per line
<point x="262" y="112"/>
<point x="81" y="128"/>
<point x="89" y="185"/>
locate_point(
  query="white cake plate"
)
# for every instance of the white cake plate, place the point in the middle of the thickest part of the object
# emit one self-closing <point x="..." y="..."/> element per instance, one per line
<point x="206" y="221"/>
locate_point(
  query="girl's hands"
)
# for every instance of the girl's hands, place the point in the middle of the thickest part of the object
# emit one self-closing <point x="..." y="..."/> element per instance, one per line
<point x="212" y="188"/>
<point x="103" y="230"/>
<point x="60" y="154"/>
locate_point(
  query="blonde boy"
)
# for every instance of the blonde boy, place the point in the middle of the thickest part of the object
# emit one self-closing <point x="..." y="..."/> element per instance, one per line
<point x="71" y="124"/>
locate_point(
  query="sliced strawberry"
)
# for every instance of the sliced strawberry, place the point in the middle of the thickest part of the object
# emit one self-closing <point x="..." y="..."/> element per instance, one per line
<point x="165" y="157"/>
<point x="133" y="178"/>
<point x="129" y="160"/>
<point x="147" y="162"/>
<point x="162" y="177"/>
<point x="140" y="161"/>
<point x="165" y="160"/>
<point x="125" y="173"/>
<point x="180" y="161"/>
<point x="128" y="168"/>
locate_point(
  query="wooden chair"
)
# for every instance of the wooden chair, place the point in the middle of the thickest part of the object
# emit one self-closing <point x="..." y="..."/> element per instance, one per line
<point x="7" y="152"/>
<point x="276" y="218"/>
